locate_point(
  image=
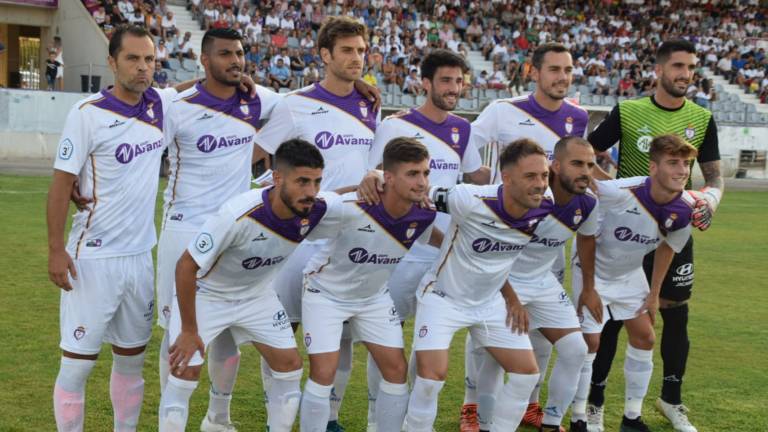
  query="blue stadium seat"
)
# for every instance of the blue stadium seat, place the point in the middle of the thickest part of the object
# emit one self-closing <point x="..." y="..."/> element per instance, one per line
<point x="755" y="117"/>
<point x="189" y="64"/>
<point x="174" y="64"/>
<point x="721" y="116"/>
<point x="609" y="100"/>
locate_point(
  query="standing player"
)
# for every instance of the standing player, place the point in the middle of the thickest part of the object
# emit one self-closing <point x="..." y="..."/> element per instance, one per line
<point x="209" y="129"/>
<point x="638" y="215"/>
<point x="544" y="116"/>
<point x="490" y="225"/>
<point x="347" y="281"/>
<point x="634" y="123"/>
<point x="341" y="123"/>
<point x="222" y="283"/>
<point x="446" y="137"/>
<point x="111" y="144"/>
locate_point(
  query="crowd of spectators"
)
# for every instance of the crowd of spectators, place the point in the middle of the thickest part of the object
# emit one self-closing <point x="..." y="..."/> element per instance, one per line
<point x="612" y="42"/>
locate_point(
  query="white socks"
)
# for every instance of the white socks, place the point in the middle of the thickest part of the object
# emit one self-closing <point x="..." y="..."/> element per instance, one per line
<point x="638" y="368"/>
<point x="489" y="382"/>
<point x="69" y="393"/>
<point x="473" y="359"/>
<point x="284" y="399"/>
<point x="542" y="349"/>
<point x="164" y="367"/>
<point x="126" y="389"/>
<point x="571" y="351"/>
<point x="374" y="378"/>
<point x="223" y="363"/>
<point x="579" y="407"/>
<point x="174" y="404"/>
<point x="343" y="370"/>
<point x="514" y="400"/>
<point x="315" y="407"/>
<point x="422" y="405"/>
<point x="391" y="404"/>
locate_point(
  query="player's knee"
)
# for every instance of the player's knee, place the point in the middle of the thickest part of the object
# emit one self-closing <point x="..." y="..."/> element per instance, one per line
<point x="190" y="373"/>
<point x="288" y="363"/>
<point x="593" y="342"/>
<point x="644" y="340"/>
<point x="396" y="372"/>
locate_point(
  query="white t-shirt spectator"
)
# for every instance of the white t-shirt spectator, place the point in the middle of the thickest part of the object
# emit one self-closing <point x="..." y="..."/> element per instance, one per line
<point x="169" y="24"/>
<point x="243" y="18"/>
<point x="272" y="20"/>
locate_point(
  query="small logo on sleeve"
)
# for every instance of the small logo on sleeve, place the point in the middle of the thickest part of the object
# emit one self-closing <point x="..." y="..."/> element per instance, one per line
<point x="204" y="243"/>
<point x="66" y="149"/>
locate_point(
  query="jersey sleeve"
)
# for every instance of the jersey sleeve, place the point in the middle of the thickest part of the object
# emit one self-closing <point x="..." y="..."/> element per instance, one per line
<point x="167" y="95"/>
<point x="710" y="148"/>
<point x="217" y="234"/>
<point x="424" y="237"/>
<point x="331" y="224"/>
<point x="485" y="128"/>
<point x="75" y="143"/>
<point x="269" y="101"/>
<point x="460" y="201"/>
<point x="280" y="127"/>
<point x="612" y="192"/>
<point x="678" y="238"/>
<point x="470" y="160"/>
<point x="384" y="133"/>
<point x="591" y="226"/>
<point x="608" y="132"/>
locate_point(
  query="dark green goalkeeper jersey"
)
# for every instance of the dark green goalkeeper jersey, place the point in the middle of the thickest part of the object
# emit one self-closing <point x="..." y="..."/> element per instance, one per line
<point x="635" y="122"/>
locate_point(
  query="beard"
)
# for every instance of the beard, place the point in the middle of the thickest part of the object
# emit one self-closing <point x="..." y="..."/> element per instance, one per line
<point x="222" y="76"/>
<point x="439" y="102"/>
<point x="669" y="86"/>
<point x="555" y="96"/>
<point x="287" y="201"/>
<point x="569" y="184"/>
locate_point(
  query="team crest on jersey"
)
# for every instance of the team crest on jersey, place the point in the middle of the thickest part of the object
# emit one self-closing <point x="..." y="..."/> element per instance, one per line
<point x="363" y="109"/>
<point x="455" y="135"/>
<point x="670" y="220"/>
<point x="304" y="227"/>
<point x="79" y="332"/>
<point x="244" y="107"/>
<point x="690" y="132"/>
<point x="411" y="230"/>
<point x="568" y="124"/>
<point x="150" y="112"/>
<point x="577" y="217"/>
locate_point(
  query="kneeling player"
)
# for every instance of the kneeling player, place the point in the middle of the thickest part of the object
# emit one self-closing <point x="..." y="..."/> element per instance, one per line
<point x="222" y="283"/>
<point x="346" y="281"/>
<point x="490" y="226"/>
<point x="637" y="215"/>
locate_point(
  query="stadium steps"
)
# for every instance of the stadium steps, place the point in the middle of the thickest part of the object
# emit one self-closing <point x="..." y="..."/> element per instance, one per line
<point x="735" y="90"/>
<point x="185" y="23"/>
<point x="478" y="63"/>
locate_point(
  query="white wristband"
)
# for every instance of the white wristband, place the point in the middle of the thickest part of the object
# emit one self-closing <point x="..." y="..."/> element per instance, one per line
<point x="713" y="196"/>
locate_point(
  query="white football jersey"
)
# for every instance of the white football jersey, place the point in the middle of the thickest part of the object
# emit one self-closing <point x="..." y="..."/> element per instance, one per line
<point x="449" y="152"/>
<point x="480" y="246"/>
<point x="342" y="128"/>
<point x="356" y="264"/>
<point x="240" y="248"/>
<point x="632" y="225"/>
<point x="210" y="146"/>
<point x="115" y="149"/>
<point x="506" y="120"/>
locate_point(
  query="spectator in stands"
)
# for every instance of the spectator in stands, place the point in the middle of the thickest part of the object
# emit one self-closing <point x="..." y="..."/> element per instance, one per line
<point x="182" y="45"/>
<point x="279" y="39"/>
<point x="515" y="85"/>
<point x="388" y="71"/>
<point x="626" y="86"/>
<point x="210" y="15"/>
<point x="312" y="74"/>
<point x="100" y="15"/>
<point x="272" y="20"/>
<point x="497" y="79"/>
<point x="706" y="94"/>
<point x="168" y="26"/>
<point x="283" y="55"/>
<point x="126" y="9"/>
<point x="370" y="77"/>
<point x="297" y="66"/>
<point x="161" y="53"/>
<point x="161" y="76"/>
<point x="602" y="84"/>
<point x="108" y="27"/>
<point x="137" y="18"/>
<point x="51" y="69"/>
<point x="412" y="83"/>
<point x="58" y="47"/>
<point x="307" y="42"/>
<point x="280" y="76"/>
<point x="400" y="72"/>
<point x="578" y="73"/>
<point x="253" y="56"/>
<point x="481" y="81"/>
<point x="262" y="73"/>
<point x="244" y="16"/>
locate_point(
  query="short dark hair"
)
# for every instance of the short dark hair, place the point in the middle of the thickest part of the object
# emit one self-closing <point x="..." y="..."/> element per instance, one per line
<point x="403" y="149"/>
<point x="519" y="149"/>
<point x="441" y="58"/>
<point x="116" y="41"/>
<point x="562" y="144"/>
<point x="337" y="27"/>
<point x="296" y="153"/>
<point x="543" y="49"/>
<point x="672" y="145"/>
<point x="665" y="50"/>
<point x="219" y="33"/>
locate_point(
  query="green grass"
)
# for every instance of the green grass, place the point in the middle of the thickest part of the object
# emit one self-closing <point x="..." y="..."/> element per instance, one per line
<point x="725" y="384"/>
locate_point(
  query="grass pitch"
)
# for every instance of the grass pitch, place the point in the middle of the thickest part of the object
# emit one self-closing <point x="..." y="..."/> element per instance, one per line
<point x="725" y="384"/>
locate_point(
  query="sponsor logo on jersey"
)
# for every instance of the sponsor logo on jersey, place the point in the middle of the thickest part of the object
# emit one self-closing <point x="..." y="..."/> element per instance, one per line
<point x="645" y="130"/>
<point x="362" y="256"/>
<point x="66" y="149"/>
<point x="363" y="109"/>
<point x="644" y="143"/>
<point x="423" y="331"/>
<point x="442" y="164"/>
<point x="304" y="227"/>
<point x="93" y="243"/>
<point x="204" y="242"/>
<point x="325" y="140"/>
<point x="568" y="124"/>
<point x="411" y="230"/>
<point x="253" y="263"/>
<point x="626" y="234"/>
<point x="690" y="132"/>
<point x="527" y="122"/>
<point x="547" y="242"/>
<point x="307" y="339"/>
<point x="150" y="308"/>
<point x="209" y="143"/>
<point x="280" y="319"/>
<point x="393" y="317"/>
<point x="125" y="152"/>
<point x="178" y="217"/>
<point x="483" y="245"/>
<point x="564" y="299"/>
<point x="455" y="135"/>
<point x="685" y="269"/>
<point x="116" y="123"/>
<point x="319" y="111"/>
<point x="79" y="332"/>
<point x="367" y="229"/>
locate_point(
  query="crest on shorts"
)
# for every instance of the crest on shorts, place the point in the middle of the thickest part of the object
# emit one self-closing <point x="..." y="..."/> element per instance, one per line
<point x="304" y="227"/>
<point x="423" y="331"/>
<point x="363" y="109"/>
<point x="411" y="230"/>
<point x="167" y="312"/>
<point x="150" y="112"/>
<point x="690" y="132"/>
<point x="670" y="220"/>
<point x="244" y="107"/>
<point x="577" y="216"/>
<point x="569" y="124"/>
<point x="79" y="332"/>
<point x="307" y="339"/>
<point x="455" y="135"/>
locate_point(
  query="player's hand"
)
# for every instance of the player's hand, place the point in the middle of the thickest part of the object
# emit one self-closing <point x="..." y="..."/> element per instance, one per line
<point x="372" y="93"/>
<point x="80" y="201"/>
<point x="651" y="306"/>
<point x="370" y="188"/>
<point x="591" y="300"/>
<point x="517" y="318"/>
<point x="183" y="349"/>
<point x="247" y="85"/>
<point x="60" y="266"/>
<point x="701" y="217"/>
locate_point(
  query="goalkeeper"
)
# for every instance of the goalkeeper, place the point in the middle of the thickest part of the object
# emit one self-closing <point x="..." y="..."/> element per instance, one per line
<point x="634" y="123"/>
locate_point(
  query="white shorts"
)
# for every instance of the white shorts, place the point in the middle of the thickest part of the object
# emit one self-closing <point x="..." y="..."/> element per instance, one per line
<point x="547" y="303"/>
<point x="403" y="284"/>
<point x="621" y="299"/>
<point x="289" y="281"/>
<point x="437" y="319"/>
<point x="170" y="248"/>
<point x="261" y="319"/>
<point x="111" y="301"/>
<point x="375" y="321"/>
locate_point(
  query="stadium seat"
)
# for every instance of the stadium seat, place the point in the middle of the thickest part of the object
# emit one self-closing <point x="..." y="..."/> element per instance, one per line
<point x="174" y="64"/>
<point x="720" y="116"/>
<point x="715" y="106"/>
<point x="609" y="100"/>
<point x="591" y="80"/>
<point x="531" y="86"/>
<point x="505" y="94"/>
<point x="755" y="117"/>
<point x="621" y="99"/>
<point x="189" y="64"/>
<point x="586" y="99"/>
<point x="466" y="104"/>
<point x="420" y="99"/>
<point x="737" y="117"/>
<point x="583" y="89"/>
<point x="184" y="75"/>
<point x="751" y="108"/>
